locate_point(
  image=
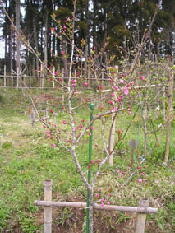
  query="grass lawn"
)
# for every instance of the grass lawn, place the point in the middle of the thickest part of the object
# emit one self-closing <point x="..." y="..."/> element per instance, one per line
<point x="27" y="159"/>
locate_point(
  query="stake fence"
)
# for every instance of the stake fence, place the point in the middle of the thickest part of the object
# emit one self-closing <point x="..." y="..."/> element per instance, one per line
<point x="142" y="210"/>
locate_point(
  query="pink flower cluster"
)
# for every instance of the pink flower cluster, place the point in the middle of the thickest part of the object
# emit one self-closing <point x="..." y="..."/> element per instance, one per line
<point x="73" y="82"/>
<point x="102" y="201"/>
<point x="85" y="84"/>
<point x="142" y="78"/>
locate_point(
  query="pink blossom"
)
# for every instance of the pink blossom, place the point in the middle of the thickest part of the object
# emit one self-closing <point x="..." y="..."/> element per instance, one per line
<point x="64" y="27"/>
<point x="64" y="122"/>
<point x="142" y="78"/>
<point x="97" y="195"/>
<point x="126" y="90"/>
<point x="48" y="133"/>
<point x="114" y="109"/>
<point x="131" y="84"/>
<point x="56" y="73"/>
<point x="111" y="102"/>
<point x="73" y="81"/>
<point x="116" y="88"/>
<point x="119" y="99"/>
<point x="142" y="173"/>
<point x="102" y="204"/>
<point x="121" y="81"/>
<point x="80" y="126"/>
<point x="85" y="84"/>
<point x="62" y="52"/>
<point x="60" y="79"/>
<point x="140" y="180"/>
<point x="53" y="145"/>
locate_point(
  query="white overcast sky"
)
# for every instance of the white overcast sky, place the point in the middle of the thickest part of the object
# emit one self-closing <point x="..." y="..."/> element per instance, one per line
<point x="2" y="42"/>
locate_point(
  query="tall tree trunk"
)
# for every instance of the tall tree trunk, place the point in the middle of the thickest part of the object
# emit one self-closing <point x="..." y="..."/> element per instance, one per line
<point x="36" y="47"/>
<point x="18" y="42"/>
<point x="46" y="40"/>
<point x="87" y="47"/>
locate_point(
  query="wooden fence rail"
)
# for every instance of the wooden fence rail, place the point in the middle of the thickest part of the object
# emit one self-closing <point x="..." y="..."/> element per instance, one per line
<point x="142" y="210"/>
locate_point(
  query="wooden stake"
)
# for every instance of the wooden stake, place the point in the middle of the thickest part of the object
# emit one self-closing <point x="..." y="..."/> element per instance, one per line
<point x="47" y="210"/>
<point x="141" y="218"/>
<point x="82" y="205"/>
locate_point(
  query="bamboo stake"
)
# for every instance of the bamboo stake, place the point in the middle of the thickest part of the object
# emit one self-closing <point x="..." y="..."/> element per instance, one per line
<point x="48" y="210"/>
<point x="141" y="217"/>
<point x="82" y="205"/>
<point x="89" y="210"/>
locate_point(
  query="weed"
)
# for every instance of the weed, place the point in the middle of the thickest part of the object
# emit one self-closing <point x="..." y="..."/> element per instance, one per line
<point x="6" y="145"/>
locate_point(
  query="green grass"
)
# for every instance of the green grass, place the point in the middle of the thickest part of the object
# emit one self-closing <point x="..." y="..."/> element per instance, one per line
<point x="27" y="159"/>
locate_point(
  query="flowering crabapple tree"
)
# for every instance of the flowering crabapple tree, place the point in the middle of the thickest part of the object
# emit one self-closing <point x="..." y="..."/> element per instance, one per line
<point x="72" y="130"/>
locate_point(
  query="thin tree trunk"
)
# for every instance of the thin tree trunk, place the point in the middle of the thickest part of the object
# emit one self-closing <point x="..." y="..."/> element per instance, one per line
<point x="64" y="59"/>
<point x="111" y="140"/>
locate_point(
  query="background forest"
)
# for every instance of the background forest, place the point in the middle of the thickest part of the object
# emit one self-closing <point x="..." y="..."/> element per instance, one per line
<point x="112" y="29"/>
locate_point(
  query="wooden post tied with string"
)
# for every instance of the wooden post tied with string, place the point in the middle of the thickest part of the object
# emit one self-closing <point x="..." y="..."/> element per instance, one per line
<point x="142" y="210"/>
<point x="47" y="209"/>
<point x="141" y="217"/>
